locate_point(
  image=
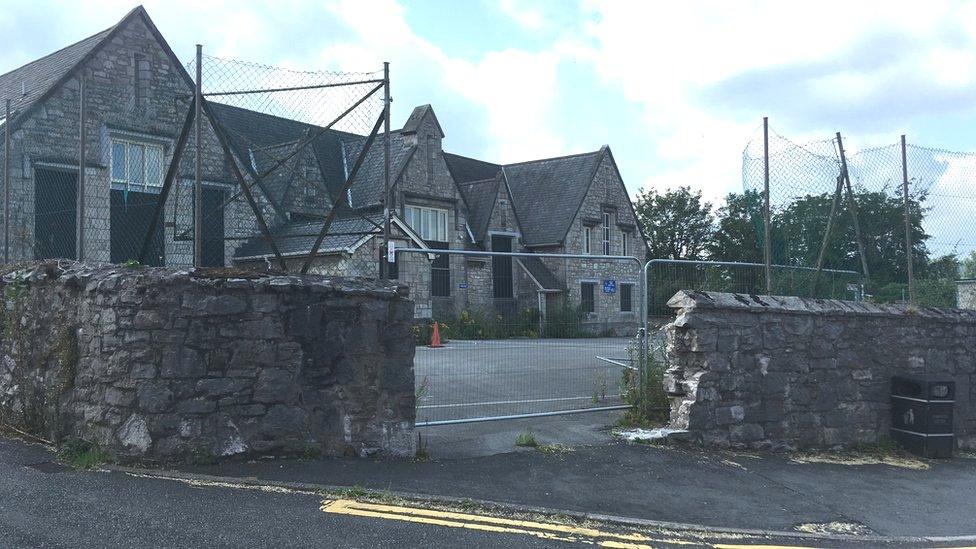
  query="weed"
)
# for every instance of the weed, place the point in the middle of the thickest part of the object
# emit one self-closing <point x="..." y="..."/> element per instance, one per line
<point x="600" y="387"/>
<point x="131" y="263"/>
<point x="356" y="492"/>
<point x="421" y="454"/>
<point x="82" y="454"/>
<point x="643" y="390"/>
<point x="526" y="439"/>
<point x="468" y="505"/>
<point x="554" y="449"/>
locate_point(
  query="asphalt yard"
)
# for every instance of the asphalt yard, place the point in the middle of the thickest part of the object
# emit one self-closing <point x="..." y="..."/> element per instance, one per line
<point x="470" y="380"/>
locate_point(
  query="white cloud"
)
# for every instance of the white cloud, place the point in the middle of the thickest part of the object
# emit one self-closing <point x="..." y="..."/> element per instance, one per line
<point x="665" y="56"/>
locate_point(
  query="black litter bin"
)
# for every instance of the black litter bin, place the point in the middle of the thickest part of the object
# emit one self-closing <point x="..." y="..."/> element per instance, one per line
<point x="921" y="414"/>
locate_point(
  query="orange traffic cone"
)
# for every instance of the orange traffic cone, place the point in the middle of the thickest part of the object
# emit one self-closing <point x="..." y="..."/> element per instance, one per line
<point x="435" y="338"/>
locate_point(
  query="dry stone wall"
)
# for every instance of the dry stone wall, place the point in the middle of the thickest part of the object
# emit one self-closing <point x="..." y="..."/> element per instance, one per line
<point x="164" y="365"/>
<point x="750" y="371"/>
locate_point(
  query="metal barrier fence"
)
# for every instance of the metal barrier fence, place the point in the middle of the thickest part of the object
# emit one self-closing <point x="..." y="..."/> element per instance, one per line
<point x="535" y="352"/>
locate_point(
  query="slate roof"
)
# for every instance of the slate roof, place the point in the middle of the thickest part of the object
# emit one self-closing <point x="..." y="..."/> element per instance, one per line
<point x="546" y="194"/>
<point x="42" y="74"/>
<point x="465" y="170"/>
<point x="297" y="238"/>
<point x="545" y="278"/>
<point x="480" y="199"/>
<point x="367" y="188"/>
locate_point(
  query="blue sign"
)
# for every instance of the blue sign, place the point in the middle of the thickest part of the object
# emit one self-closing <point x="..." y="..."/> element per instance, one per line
<point x="463" y="285"/>
<point x="609" y="286"/>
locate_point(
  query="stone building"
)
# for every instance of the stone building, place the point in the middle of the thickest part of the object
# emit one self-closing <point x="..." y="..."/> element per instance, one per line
<point x="137" y="95"/>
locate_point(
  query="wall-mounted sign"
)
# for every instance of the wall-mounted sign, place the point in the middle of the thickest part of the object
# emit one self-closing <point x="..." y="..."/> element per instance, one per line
<point x="463" y="285"/>
<point x="609" y="286"/>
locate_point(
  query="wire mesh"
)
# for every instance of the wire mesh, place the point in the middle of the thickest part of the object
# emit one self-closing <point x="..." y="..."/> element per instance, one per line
<point x="295" y="136"/>
<point x="804" y="190"/>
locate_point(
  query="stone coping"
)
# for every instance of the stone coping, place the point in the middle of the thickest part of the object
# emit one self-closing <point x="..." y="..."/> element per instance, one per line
<point x="110" y="277"/>
<point x="689" y="300"/>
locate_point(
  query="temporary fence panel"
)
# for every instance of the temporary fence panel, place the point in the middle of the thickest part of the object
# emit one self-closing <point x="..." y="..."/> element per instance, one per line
<point x="546" y="356"/>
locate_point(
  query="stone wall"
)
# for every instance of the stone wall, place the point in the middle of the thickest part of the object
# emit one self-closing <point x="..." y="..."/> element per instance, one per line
<point x="786" y="372"/>
<point x="165" y="365"/>
<point x="966" y="294"/>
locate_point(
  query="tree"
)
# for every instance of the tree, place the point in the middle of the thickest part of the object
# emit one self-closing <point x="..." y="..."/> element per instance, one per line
<point x="739" y="231"/>
<point x="678" y="224"/>
<point x="969" y="266"/>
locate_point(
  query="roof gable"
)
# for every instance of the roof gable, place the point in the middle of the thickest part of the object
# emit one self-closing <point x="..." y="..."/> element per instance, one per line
<point x="43" y="76"/>
<point x="464" y="169"/>
<point x="547" y="194"/>
<point x="480" y="197"/>
<point x="417" y="117"/>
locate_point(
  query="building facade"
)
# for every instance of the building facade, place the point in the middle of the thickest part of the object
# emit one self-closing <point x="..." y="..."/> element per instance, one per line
<point x="137" y="94"/>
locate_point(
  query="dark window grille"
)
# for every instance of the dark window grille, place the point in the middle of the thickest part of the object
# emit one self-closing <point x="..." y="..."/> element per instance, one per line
<point x="131" y="215"/>
<point x="627" y="298"/>
<point x="55" y="207"/>
<point x="440" y="272"/>
<point x="587" y="293"/>
<point x="213" y="227"/>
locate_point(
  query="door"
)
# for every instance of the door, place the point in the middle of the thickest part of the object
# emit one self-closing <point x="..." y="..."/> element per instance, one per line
<point x="55" y="214"/>
<point x="130" y="219"/>
<point x="213" y="227"/>
<point x="501" y="268"/>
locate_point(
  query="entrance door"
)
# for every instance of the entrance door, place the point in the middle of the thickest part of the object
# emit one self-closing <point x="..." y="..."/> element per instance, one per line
<point x="55" y="214"/>
<point x="501" y="268"/>
<point x="132" y="213"/>
<point x="213" y="227"/>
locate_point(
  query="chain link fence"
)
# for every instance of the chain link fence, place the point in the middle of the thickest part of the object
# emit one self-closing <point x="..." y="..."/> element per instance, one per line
<point x="898" y="214"/>
<point x="263" y="166"/>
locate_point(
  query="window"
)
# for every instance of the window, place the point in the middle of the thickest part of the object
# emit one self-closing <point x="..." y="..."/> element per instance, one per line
<point x="440" y="272"/>
<point x="429" y="223"/>
<point x="606" y="233"/>
<point x="136" y="166"/>
<point x="142" y="80"/>
<point x="624" y="243"/>
<point x="587" y="293"/>
<point x="587" y="239"/>
<point x="627" y="298"/>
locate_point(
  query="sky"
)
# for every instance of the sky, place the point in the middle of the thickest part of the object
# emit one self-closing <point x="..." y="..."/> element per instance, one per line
<point x="676" y="89"/>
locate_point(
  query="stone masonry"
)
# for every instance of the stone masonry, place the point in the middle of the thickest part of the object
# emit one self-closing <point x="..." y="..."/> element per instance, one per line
<point x="783" y="373"/>
<point x="159" y="365"/>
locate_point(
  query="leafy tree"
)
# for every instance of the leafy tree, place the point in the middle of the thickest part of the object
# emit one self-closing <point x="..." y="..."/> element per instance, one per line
<point x="738" y="234"/>
<point x="678" y="223"/>
<point x="968" y="266"/>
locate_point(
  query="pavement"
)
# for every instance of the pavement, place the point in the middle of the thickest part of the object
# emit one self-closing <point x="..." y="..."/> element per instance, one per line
<point x="631" y="495"/>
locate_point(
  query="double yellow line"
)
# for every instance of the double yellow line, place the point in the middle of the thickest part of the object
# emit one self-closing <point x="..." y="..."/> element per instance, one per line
<point x="548" y="531"/>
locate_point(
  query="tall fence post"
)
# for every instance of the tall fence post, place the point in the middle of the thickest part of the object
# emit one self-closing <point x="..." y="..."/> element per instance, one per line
<point x="198" y="165"/>
<point x="908" y="222"/>
<point x="853" y="203"/>
<point x="80" y="191"/>
<point x="6" y="182"/>
<point x="388" y="202"/>
<point x="767" y="245"/>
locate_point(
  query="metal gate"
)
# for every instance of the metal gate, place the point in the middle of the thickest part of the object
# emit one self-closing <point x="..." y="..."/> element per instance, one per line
<point x="562" y="349"/>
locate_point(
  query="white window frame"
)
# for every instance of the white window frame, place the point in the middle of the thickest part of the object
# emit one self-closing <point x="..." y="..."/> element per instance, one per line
<point x="432" y="224"/>
<point x="606" y="234"/>
<point x="587" y="239"/>
<point x="127" y="182"/>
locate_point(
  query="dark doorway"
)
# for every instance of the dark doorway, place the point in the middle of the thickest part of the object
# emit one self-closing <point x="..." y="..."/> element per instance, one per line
<point x="55" y="214"/>
<point x="501" y="268"/>
<point x="130" y="219"/>
<point x="213" y="227"/>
